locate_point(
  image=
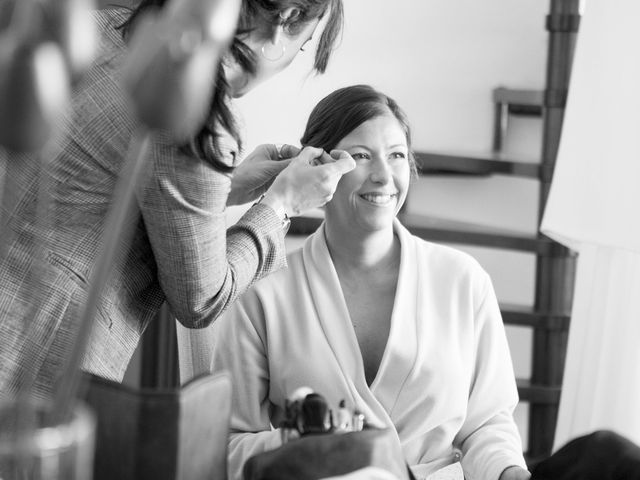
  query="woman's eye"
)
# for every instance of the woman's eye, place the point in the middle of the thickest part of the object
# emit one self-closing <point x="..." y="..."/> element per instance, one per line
<point x="398" y="155"/>
<point x="359" y="156"/>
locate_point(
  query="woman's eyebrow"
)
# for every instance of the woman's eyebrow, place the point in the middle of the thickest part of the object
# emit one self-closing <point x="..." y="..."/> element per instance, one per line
<point x="366" y="147"/>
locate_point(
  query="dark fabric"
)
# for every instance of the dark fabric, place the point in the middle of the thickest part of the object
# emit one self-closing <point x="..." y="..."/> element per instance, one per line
<point x="601" y="455"/>
<point x="318" y="456"/>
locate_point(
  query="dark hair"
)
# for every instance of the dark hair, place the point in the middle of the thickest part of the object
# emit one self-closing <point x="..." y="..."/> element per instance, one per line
<point x="344" y="110"/>
<point x="253" y="13"/>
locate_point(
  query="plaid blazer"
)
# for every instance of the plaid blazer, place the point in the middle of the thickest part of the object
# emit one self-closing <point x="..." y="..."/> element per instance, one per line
<point x="179" y="251"/>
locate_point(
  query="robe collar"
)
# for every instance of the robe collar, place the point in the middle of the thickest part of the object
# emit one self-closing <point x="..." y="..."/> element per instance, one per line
<point x="378" y="400"/>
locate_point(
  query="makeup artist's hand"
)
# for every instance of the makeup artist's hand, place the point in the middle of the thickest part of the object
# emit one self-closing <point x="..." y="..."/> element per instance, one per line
<point x="309" y="181"/>
<point x="256" y="172"/>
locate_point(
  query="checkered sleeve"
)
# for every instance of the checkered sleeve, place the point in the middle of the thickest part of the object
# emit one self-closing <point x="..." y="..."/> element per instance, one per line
<point x="202" y="266"/>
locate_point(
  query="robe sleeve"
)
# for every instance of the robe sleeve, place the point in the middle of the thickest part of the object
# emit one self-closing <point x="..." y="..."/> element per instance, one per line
<point x="489" y="438"/>
<point x="239" y="349"/>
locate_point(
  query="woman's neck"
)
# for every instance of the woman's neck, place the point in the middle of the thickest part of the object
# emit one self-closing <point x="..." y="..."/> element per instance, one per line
<point x="363" y="252"/>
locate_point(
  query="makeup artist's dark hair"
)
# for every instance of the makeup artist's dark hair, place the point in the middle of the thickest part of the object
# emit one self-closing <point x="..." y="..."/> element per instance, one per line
<point x="253" y="14"/>
<point x="344" y="110"/>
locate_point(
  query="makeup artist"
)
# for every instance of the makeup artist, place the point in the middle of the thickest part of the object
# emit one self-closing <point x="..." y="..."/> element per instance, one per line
<point x="181" y="250"/>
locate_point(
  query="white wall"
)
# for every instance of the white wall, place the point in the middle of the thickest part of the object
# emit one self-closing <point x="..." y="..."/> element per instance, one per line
<point x="440" y="59"/>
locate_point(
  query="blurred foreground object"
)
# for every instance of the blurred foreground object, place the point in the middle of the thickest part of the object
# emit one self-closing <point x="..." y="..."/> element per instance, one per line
<point x="33" y="91"/>
<point x="320" y="456"/>
<point x="316" y="446"/>
<point x="44" y="46"/>
<point x="48" y="451"/>
<point x="169" y="72"/>
<point x="602" y="455"/>
<point x="161" y="434"/>
<point x="70" y="25"/>
<point x="172" y="66"/>
<point x="308" y="413"/>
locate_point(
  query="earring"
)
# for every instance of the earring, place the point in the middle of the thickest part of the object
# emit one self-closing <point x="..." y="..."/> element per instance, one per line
<point x="273" y="51"/>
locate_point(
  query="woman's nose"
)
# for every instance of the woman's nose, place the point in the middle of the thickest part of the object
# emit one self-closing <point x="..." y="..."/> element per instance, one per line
<point x="380" y="171"/>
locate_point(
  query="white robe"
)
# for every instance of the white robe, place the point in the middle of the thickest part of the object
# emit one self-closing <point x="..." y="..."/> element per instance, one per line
<point x="445" y="382"/>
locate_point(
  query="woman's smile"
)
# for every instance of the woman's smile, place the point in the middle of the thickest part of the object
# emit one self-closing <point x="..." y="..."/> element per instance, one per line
<point x="380" y="198"/>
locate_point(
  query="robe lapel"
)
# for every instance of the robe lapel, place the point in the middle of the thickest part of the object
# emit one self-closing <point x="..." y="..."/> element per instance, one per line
<point x="398" y="359"/>
<point x="333" y="315"/>
<point x="400" y="353"/>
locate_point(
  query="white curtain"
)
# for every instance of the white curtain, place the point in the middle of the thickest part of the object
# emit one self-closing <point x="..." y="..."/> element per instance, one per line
<point x="594" y="208"/>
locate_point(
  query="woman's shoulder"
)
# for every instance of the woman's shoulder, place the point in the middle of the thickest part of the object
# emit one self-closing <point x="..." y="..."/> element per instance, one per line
<point x="449" y="265"/>
<point x="448" y="255"/>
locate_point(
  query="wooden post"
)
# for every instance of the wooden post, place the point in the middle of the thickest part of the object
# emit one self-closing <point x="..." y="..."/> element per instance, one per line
<point x="556" y="271"/>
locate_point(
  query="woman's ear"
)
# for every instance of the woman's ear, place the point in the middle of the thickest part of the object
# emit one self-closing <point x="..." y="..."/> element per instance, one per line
<point x="289" y="15"/>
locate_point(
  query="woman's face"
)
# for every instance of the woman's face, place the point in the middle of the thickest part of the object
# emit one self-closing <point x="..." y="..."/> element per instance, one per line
<point x="280" y="52"/>
<point x="370" y="196"/>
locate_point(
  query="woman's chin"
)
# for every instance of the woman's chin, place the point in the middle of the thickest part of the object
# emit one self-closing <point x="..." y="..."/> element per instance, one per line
<point x="376" y="223"/>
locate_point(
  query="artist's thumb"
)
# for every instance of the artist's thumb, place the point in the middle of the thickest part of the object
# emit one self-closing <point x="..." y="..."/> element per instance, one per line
<point x="343" y="162"/>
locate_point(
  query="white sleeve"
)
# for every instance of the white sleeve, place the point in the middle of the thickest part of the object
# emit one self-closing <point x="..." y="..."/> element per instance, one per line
<point x="489" y="437"/>
<point x="239" y="350"/>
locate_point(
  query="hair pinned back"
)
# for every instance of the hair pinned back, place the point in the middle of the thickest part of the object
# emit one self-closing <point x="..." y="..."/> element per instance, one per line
<point x="342" y="111"/>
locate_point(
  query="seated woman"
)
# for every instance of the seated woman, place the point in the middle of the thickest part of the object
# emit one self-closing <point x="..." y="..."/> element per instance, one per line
<point x="406" y="331"/>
